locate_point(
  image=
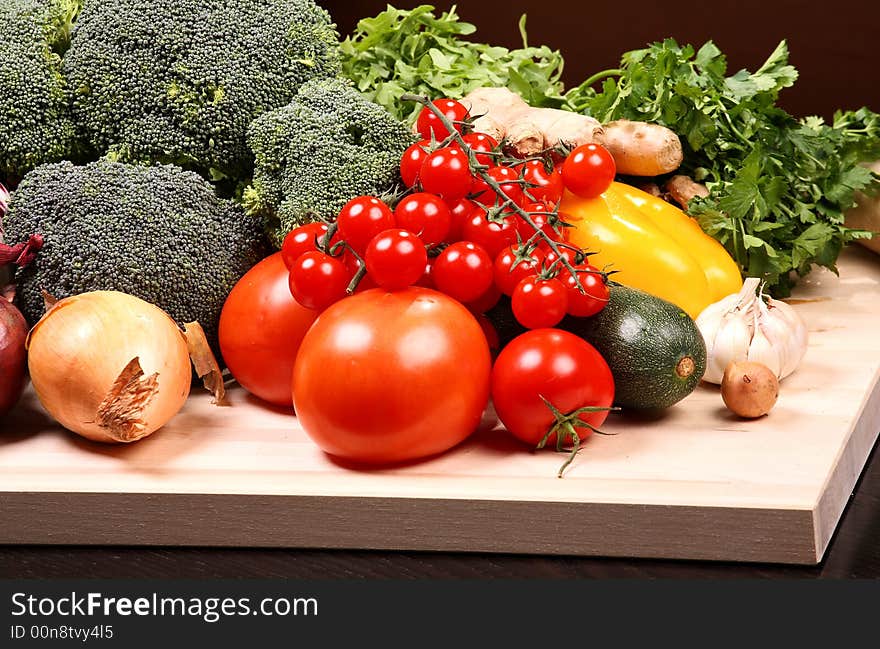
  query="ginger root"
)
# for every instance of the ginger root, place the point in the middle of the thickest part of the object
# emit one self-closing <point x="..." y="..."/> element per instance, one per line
<point x="683" y="188"/>
<point x="639" y="149"/>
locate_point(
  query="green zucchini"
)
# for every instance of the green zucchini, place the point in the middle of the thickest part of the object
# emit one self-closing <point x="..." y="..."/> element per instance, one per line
<point x="655" y="351"/>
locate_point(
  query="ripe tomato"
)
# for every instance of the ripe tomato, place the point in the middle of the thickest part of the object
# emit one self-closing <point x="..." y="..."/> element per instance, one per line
<point x="425" y="215"/>
<point x="482" y="145"/>
<point x="492" y="236"/>
<point x="463" y="271"/>
<point x="411" y="161"/>
<point x="539" y="303"/>
<point x="301" y="240"/>
<point x="595" y="295"/>
<point x="459" y="212"/>
<point x="361" y="219"/>
<point x="543" y="185"/>
<point x="588" y="170"/>
<point x="563" y="369"/>
<point x="396" y="259"/>
<point x="447" y="173"/>
<point x="428" y="123"/>
<point x="261" y="328"/>
<point x="486" y="301"/>
<point x="388" y="377"/>
<point x="538" y="212"/>
<point x="509" y="180"/>
<point x="508" y="275"/>
<point x="317" y="280"/>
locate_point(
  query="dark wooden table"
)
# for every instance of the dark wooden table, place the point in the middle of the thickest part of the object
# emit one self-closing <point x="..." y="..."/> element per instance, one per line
<point x="854" y="553"/>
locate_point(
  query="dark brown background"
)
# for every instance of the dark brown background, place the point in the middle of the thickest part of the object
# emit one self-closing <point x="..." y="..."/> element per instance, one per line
<point x="831" y="45"/>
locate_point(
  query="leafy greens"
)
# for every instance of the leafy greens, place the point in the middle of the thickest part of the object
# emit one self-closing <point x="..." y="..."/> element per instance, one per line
<point x="779" y="186"/>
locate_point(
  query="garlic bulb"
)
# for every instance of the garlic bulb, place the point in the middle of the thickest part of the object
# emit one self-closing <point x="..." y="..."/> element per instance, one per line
<point x="747" y="326"/>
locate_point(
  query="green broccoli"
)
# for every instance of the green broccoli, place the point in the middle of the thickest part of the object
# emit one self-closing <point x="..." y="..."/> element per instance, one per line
<point x="156" y="232"/>
<point x="35" y="125"/>
<point x="327" y="146"/>
<point x="178" y="81"/>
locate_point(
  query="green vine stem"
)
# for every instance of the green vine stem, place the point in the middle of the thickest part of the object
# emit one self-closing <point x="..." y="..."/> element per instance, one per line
<point x="566" y="431"/>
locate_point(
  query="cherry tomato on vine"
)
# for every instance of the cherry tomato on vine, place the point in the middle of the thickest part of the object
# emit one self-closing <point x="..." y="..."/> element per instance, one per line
<point x="428" y="122"/>
<point x="379" y="370"/>
<point x="301" y="240"/>
<point x="459" y="212"/>
<point x="509" y="272"/>
<point x="396" y="259"/>
<point x="261" y="328"/>
<point x="542" y="185"/>
<point x="562" y="368"/>
<point x="446" y="172"/>
<point x="595" y="295"/>
<point x="317" y="280"/>
<point x="588" y="170"/>
<point x="486" y="301"/>
<point x="482" y="145"/>
<point x="361" y="219"/>
<point x="539" y="303"/>
<point x="463" y="271"/>
<point x="411" y="161"/>
<point x="550" y="257"/>
<point x="492" y="236"/>
<point x="538" y="212"/>
<point x="425" y="215"/>
<point x="509" y="181"/>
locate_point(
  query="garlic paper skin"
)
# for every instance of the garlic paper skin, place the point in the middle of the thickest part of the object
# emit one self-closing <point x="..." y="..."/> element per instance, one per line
<point x="748" y="326"/>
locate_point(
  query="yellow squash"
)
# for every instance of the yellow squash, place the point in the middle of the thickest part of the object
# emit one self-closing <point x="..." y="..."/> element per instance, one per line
<point x="653" y="245"/>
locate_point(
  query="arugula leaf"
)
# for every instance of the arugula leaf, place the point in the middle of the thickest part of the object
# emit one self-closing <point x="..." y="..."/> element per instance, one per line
<point x="779" y="186"/>
<point x="417" y="51"/>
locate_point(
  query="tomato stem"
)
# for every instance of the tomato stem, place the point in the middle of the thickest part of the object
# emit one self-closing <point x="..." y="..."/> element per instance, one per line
<point x="565" y="430"/>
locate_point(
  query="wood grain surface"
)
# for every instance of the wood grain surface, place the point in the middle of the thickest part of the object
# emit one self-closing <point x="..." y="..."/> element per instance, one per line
<point x="694" y="483"/>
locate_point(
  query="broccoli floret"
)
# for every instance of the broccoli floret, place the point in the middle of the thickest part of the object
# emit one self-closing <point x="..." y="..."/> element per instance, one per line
<point x="35" y="124"/>
<point x="156" y="232"/>
<point x="178" y="81"/>
<point x="327" y="146"/>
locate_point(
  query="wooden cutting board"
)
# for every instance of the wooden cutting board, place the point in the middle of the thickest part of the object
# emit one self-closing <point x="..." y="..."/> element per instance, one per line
<point x="694" y="483"/>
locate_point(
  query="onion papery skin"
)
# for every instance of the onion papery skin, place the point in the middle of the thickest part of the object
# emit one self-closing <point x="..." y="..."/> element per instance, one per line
<point x="81" y="346"/>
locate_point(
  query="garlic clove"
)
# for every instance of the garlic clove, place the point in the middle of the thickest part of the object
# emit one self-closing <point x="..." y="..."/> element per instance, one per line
<point x="761" y="350"/>
<point x="731" y="344"/>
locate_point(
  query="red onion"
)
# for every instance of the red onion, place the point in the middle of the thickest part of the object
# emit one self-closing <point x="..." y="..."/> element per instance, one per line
<point x="13" y="332"/>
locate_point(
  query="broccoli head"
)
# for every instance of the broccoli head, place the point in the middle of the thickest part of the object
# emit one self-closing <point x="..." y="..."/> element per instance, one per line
<point x="35" y="124"/>
<point x="327" y="146"/>
<point x="178" y="81"/>
<point x="156" y="232"/>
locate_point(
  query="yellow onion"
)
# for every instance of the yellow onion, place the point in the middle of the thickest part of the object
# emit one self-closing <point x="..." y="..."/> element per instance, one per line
<point x="109" y="366"/>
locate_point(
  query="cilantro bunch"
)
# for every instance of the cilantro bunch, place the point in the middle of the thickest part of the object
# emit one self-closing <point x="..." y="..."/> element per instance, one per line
<point x="779" y="186"/>
<point x="415" y="51"/>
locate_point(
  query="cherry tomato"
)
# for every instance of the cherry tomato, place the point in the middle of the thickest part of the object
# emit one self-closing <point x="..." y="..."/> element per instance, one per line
<point x="539" y="303"/>
<point x="492" y="236"/>
<point x="396" y="259"/>
<point x="538" y="212"/>
<point x="463" y="271"/>
<point x="446" y="172"/>
<point x="427" y="278"/>
<point x="543" y="185"/>
<point x="482" y="145"/>
<point x="411" y="161"/>
<point x="261" y="328"/>
<point x="550" y="257"/>
<point x="507" y="177"/>
<point x="595" y="295"/>
<point x="589" y="170"/>
<point x="489" y="331"/>
<point x="425" y="215"/>
<point x="428" y="123"/>
<point x="486" y="301"/>
<point x="558" y="366"/>
<point x="385" y="377"/>
<point x="361" y="219"/>
<point x="301" y="240"/>
<point x="459" y="212"/>
<point x="508" y="275"/>
<point x="317" y="280"/>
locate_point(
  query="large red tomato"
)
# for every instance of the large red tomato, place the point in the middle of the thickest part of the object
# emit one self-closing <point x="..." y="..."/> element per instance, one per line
<point x="261" y="328"/>
<point x="385" y="377"/>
